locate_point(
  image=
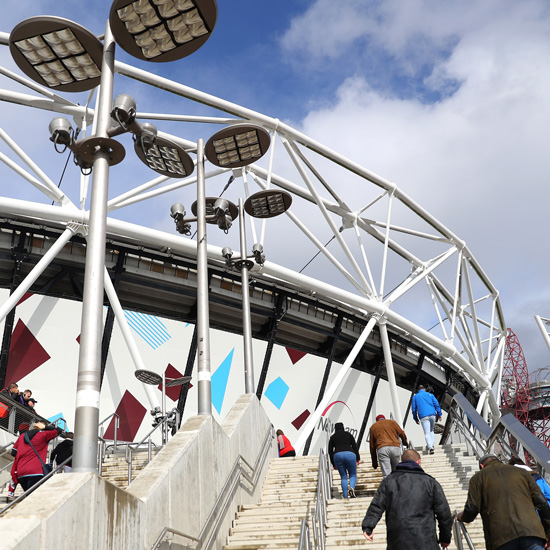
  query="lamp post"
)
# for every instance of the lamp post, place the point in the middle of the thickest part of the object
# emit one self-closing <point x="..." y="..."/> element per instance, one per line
<point x="264" y="204"/>
<point x="154" y="379"/>
<point x="64" y="56"/>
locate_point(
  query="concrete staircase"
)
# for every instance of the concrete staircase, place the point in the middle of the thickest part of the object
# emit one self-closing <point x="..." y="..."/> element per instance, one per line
<point x="288" y="497"/>
<point x="450" y="465"/>
<point x="115" y="467"/>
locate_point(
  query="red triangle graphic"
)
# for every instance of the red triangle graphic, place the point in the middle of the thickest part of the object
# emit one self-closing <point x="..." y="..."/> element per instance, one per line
<point x="295" y="355"/>
<point x="26" y="353"/>
<point x="25" y="296"/>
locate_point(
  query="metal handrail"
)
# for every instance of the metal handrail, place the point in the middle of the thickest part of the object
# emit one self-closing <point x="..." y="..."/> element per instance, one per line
<point x="319" y="520"/>
<point x="223" y="499"/>
<point x="304" y="542"/>
<point x="18" y="414"/>
<point x="459" y="531"/>
<point x="507" y="438"/>
<point x="117" y="425"/>
<point x="35" y="486"/>
<point x="131" y="447"/>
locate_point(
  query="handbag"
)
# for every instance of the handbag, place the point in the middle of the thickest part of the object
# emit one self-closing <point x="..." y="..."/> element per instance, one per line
<point x="46" y="468"/>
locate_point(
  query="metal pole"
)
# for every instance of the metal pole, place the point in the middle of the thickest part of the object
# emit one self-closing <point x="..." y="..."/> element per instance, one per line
<point x="89" y="363"/>
<point x="389" y="370"/>
<point x="204" y="376"/>
<point x="165" y="425"/>
<point x="247" y="324"/>
<point x="129" y="339"/>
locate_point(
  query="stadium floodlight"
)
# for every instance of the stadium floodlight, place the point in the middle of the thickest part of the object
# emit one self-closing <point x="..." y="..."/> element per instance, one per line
<point x="268" y="203"/>
<point x="162" y="30"/>
<point x="164" y="156"/>
<point x="237" y="145"/>
<point x="57" y="53"/>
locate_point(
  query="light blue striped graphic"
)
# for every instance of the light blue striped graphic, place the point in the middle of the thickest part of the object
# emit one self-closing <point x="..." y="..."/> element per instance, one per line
<point x="149" y="327"/>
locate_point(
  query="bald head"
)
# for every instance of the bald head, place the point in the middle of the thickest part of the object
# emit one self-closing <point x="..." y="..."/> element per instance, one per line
<point x="411" y="454"/>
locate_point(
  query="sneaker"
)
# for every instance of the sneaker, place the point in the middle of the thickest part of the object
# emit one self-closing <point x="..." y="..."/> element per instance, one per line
<point x="432" y="451"/>
<point x="10" y="498"/>
<point x="351" y="493"/>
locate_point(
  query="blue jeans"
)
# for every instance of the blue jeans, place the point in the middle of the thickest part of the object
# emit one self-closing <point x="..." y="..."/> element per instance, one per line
<point x="428" y="423"/>
<point x="524" y="543"/>
<point x="346" y="463"/>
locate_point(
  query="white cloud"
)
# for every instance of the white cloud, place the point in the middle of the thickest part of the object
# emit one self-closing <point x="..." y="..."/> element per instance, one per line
<point x="478" y="159"/>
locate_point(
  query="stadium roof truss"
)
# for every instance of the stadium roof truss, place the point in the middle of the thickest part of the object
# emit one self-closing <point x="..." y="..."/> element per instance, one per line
<point x="390" y="270"/>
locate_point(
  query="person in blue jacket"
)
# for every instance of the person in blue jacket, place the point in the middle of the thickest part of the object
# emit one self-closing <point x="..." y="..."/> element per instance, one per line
<point x="426" y="411"/>
<point x="540" y="481"/>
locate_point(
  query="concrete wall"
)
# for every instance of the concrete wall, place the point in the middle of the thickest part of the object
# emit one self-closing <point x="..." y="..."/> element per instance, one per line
<point x="177" y="489"/>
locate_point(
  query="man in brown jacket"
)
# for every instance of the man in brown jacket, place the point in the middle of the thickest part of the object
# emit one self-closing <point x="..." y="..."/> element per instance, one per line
<point x="507" y="499"/>
<point x="385" y="447"/>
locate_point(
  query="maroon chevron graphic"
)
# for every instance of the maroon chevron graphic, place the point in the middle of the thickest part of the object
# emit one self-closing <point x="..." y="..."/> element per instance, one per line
<point x="299" y="420"/>
<point x="26" y="354"/>
<point x="25" y="296"/>
<point x="131" y="413"/>
<point x="295" y="355"/>
<point x="173" y="393"/>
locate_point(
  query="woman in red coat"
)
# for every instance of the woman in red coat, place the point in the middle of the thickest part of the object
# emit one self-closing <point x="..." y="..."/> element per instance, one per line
<point x="285" y="448"/>
<point x="27" y="468"/>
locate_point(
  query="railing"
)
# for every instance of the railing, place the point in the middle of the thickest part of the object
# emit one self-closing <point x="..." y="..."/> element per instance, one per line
<point x="210" y="529"/>
<point x="18" y="416"/>
<point x="459" y="531"/>
<point x="103" y="442"/>
<point x="319" y="520"/>
<point x="147" y="440"/>
<point x="506" y="439"/>
<point x="304" y="542"/>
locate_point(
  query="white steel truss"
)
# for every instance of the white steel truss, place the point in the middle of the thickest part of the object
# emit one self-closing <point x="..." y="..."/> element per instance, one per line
<point x="387" y="257"/>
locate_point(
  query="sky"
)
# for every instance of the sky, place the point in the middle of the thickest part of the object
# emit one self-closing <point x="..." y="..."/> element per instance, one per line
<point x="450" y="100"/>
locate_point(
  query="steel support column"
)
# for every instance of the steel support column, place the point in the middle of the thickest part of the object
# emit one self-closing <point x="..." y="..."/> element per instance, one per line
<point x="110" y="320"/>
<point x="89" y="363"/>
<point x="19" y="256"/>
<point x="324" y="382"/>
<point x="370" y="402"/>
<point x="277" y="316"/>
<point x="188" y="372"/>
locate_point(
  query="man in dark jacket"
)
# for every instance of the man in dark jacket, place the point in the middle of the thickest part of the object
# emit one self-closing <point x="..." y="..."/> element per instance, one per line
<point x="507" y="499"/>
<point x="412" y="500"/>
<point x="62" y="452"/>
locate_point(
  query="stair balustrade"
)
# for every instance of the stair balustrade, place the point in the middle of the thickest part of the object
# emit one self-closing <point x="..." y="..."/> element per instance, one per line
<point x="507" y="438"/>
<point x="210" y="529"/>
<point x="459" y="531"/>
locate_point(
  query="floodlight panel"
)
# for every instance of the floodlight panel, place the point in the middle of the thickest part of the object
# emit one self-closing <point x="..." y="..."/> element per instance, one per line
<point x="268" y="204"/>
<point x="148" y="377"/>
<point x="166" y="158"/>
<point x="162" y="30"/>
<point x="237" y="145"/>
<point x="57" y="53"/>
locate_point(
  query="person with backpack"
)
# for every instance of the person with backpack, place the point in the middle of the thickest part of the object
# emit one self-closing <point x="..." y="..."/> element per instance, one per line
<point x="30" y="452"/>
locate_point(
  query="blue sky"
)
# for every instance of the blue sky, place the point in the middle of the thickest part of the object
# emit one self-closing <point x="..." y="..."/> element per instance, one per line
<point x="448" y="99"/>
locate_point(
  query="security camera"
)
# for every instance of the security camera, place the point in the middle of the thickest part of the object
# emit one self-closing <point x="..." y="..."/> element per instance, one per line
<point x="147" y="136"/>
<point x="227" y="253"/>
<point x="221" y="207"/>
<point x="124" y="110"/>
<point x="61" y="133"/>
<point x="177" y="210"/>
<point x="223" y="217"/>
<point x="258" y="252"/>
